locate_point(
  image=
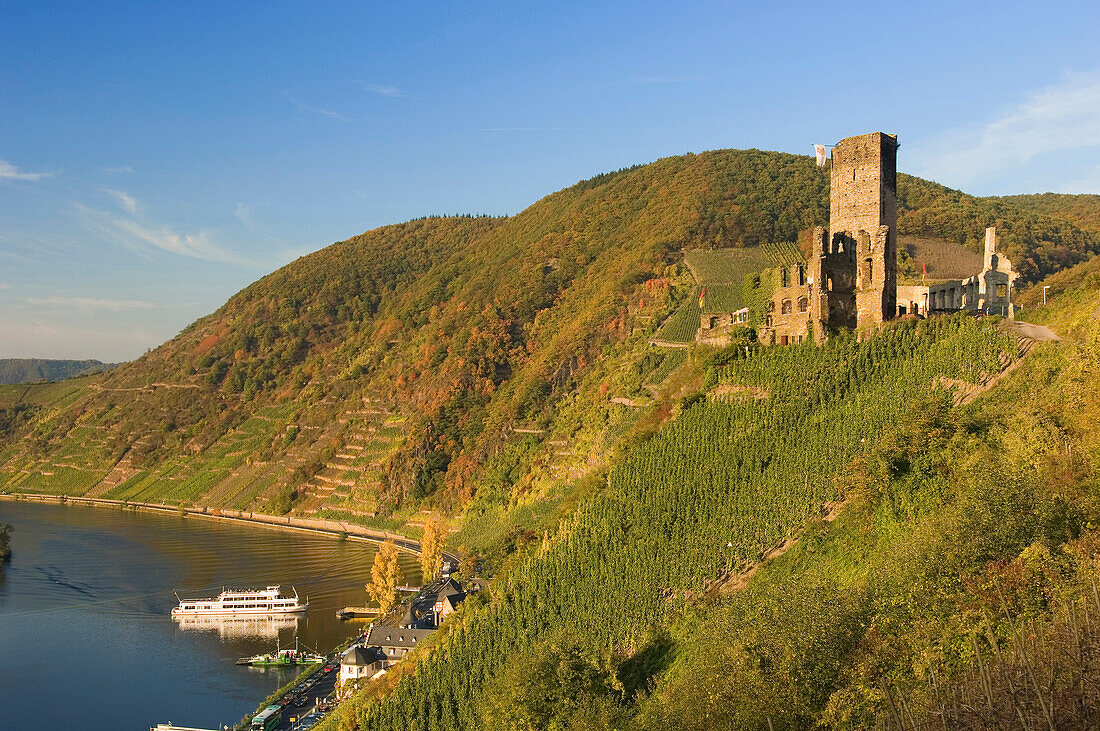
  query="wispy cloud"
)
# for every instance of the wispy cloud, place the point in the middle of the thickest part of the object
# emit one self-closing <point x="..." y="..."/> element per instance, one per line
<point x="11" y="172"/>
<point x="244" y="213"/>
<point x="289" y="96"/>
<point x="121" y="170"/>
<point x="125" y="200"/>
<point x="380" y="89"/>
<point x="1059" y="118"/>
<point x="95" y="303"/>
<point x="141" y="235"/>
<point x="4" y="285"/>
<point x="1087" y="183"/>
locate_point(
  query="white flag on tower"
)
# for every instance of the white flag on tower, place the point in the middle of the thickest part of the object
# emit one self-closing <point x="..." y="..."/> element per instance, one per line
<point x="820" y="151"/>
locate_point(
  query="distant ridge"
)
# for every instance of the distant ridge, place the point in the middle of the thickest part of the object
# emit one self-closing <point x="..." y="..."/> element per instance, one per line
<point x="29" y="370"/>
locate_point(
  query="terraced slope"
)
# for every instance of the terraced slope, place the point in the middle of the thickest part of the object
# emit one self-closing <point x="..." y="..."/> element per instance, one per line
<point x="457" y="330"/>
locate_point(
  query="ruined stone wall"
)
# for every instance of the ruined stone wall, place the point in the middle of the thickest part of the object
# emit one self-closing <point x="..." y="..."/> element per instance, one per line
<point x="996" y="281"/>
<point x="790" y="315"/>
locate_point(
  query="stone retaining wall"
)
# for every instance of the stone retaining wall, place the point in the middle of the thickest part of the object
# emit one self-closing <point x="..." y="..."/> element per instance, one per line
<point x="285" y="522"/>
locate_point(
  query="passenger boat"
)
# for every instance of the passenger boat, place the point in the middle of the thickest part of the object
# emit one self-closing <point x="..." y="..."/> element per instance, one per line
<point x="238" y="602"/>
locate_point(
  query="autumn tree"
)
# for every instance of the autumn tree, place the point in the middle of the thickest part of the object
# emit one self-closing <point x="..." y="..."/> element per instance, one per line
<point x="431" y="548"/>
<point x="384" y="573"/>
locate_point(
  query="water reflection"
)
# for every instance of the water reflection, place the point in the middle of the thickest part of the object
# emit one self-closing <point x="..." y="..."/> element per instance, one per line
<point x="241" y="628"/>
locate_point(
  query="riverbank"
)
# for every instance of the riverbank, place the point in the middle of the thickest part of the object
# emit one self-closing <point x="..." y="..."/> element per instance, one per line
<point x="336" y="528"/>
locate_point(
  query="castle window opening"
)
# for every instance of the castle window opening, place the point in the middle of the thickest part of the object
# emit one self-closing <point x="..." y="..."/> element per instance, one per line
<point x="786" y="275"/>
<point x="801" y="275"/>
<point x="803" y="304"/>
<point x="786" y="307"/>
<point x="1002" y="291"/>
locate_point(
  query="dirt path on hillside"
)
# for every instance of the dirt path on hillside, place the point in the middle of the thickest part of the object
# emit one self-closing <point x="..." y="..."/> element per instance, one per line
<point x="738" y="581"/>
<point x="1039" y="333"/>
<point x="1025" y="331"/>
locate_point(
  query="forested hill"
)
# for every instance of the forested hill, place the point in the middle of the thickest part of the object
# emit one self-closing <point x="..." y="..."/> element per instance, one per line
<point x="422" y="344"/>
<point x="1083" y="210"/>
<point x="499" y="372"/>
<point x="26" y="370"/>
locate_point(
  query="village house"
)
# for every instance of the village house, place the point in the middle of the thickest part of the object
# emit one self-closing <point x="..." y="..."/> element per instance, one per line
<point x="395" y="642"/>
<point x="447" y="599"/>
<point x="361" y="662"/>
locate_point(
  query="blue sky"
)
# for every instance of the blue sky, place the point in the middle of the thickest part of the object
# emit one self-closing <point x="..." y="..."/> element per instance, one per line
<point x="157" y="157"/>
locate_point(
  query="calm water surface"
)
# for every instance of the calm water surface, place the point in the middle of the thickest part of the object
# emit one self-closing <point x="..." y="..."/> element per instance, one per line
<point x="86" y="640"/>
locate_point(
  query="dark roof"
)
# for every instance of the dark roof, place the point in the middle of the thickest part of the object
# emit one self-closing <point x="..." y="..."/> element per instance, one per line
<point x="408" y="620"/>
<point x="396" y="636"/>
<point x="450" y="586"/>
<point x="454" y="599"/>
<point x="361" y="656"/>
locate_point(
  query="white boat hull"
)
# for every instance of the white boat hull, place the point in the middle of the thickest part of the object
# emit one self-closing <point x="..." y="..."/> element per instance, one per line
<point x="177" y="612"/>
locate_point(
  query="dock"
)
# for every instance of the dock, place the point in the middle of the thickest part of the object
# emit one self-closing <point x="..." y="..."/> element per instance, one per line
<point x="354" y="612"/>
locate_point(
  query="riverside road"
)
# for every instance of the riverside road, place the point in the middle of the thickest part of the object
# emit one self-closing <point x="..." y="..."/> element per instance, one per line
<point x="297" y="709"/>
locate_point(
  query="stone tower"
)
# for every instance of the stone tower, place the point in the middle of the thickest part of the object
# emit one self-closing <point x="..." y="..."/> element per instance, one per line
<point x="863" y="221"/>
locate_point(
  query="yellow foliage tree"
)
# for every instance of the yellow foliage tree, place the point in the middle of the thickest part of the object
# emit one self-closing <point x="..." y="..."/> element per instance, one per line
<point x="384" y="573"/>
<point x="431" y="548"/>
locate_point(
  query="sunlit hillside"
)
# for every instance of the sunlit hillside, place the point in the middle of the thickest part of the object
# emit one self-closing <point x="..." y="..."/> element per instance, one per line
<point x="392" y="370"/>
<point x="680" y="536"/>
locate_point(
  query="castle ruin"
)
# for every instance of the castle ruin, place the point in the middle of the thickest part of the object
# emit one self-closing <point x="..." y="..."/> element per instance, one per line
<point x="988" y="293"/>
<point x="850" y="279"/>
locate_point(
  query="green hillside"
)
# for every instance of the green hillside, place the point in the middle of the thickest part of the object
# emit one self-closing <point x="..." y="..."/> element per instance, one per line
<point x="385" y="372"/>
<point x="957" y="525"/>
<point x="961" y="529"/>
<point x="499" y="372"/>
<point x="1083" y="210"/>
<point x="1038" y="243"/>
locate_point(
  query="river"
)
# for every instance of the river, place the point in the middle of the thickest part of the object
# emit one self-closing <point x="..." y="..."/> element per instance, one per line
<point x="86" y="639"/>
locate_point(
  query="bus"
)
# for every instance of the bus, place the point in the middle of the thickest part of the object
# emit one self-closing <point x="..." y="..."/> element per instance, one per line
<point x="267" y="719"/>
